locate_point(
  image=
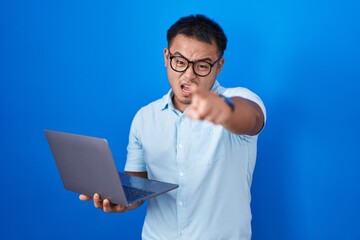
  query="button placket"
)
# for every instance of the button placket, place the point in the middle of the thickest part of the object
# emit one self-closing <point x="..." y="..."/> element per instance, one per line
<point x="181" y="149"/>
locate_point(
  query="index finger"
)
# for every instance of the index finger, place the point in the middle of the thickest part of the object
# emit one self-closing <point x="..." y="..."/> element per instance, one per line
<point x="194" y="88"/>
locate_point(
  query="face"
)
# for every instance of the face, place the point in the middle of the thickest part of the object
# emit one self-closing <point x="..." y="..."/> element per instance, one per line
<point x="183" y="83"/>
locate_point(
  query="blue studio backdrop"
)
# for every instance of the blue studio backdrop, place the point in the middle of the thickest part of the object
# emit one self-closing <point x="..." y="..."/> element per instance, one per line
<point x="88" y="66"/>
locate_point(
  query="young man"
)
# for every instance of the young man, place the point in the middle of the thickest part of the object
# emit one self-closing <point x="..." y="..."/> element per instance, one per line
<point x="200" y="136"/>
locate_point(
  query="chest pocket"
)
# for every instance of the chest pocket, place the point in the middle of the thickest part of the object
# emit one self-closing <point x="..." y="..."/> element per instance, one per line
<point x="206" y="146"/>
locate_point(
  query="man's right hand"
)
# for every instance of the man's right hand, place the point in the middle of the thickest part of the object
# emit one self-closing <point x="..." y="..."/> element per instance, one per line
<point x="106" y="205"/>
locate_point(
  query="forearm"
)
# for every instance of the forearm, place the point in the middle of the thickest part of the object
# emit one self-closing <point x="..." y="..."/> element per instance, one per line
<point x="138" y="174"/>
<point x="247" y="117"/>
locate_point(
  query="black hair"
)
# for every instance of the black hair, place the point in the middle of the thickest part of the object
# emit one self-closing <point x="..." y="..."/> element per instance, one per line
<point x="201" y="28"/>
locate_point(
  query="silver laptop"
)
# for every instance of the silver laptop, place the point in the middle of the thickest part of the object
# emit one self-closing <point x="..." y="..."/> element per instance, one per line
<point x="86" y="166"/>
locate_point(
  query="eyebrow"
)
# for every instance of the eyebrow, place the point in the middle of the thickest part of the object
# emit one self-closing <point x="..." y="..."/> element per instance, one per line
<point x="198" y="60"/>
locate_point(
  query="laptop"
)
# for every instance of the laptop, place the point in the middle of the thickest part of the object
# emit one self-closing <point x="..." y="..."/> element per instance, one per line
<point x="86" y="166"/>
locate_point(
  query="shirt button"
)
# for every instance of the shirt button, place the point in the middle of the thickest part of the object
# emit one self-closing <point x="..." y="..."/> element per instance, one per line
<point x="181" y="204"/>
<point x="181" y="174"/>
<point x="182" y="232"/>
<point x="180" y="146"/>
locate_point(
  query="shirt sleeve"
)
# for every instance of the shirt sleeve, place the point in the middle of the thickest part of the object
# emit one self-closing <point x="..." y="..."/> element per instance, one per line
<point x="246" y="93"/>
<point x="135" y="161"/>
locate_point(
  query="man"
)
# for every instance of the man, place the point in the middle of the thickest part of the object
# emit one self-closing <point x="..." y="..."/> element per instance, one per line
<point x="200" y="136"/>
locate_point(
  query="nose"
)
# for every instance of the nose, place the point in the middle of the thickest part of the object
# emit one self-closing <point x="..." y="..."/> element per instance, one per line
<point x="189" y="73"/>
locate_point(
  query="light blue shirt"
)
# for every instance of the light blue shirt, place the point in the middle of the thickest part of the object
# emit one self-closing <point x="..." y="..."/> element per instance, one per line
<point x="212" y="166"/>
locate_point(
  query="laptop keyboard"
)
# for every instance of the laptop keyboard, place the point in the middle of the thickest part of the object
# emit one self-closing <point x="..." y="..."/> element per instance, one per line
<point x="135" y="193"/>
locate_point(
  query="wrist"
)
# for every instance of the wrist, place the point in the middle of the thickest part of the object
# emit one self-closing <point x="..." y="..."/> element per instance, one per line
<point x="229" y="102"/>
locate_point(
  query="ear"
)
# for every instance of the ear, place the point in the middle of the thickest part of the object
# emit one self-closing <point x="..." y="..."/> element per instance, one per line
<point x="166" y="56"/>
<point x="220" y="65"/>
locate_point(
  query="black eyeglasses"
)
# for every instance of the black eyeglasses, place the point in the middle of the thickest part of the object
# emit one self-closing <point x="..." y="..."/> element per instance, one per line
<point x="181" y="64"/>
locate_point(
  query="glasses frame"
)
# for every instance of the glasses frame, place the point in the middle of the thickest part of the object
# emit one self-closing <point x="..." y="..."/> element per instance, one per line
<point x="171" y="56"/>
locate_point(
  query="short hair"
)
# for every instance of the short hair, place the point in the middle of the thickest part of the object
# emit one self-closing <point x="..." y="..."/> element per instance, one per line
<point x="200" y="28"/>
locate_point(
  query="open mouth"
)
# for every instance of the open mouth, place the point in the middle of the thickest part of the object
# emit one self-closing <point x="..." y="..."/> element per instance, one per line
<point x="186" y="88"/>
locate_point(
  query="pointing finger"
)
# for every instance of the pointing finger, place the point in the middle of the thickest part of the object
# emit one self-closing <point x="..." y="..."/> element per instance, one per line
<point x="194" y="88"/>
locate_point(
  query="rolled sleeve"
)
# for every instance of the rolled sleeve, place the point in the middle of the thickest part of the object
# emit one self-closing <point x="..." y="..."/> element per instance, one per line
<point x="135" y="154"/>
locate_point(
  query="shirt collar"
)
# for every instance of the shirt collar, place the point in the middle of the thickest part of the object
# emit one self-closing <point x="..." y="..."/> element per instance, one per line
<point x="216" y="87"/>
<point x="166" y="100"/>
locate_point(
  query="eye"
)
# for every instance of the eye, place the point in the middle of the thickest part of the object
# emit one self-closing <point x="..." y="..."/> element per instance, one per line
<point x="180" y="61"/>
<point x="203" y="66"/>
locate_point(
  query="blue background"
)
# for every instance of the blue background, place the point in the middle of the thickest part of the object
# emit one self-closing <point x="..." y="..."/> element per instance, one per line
<point x="88" y="66"/>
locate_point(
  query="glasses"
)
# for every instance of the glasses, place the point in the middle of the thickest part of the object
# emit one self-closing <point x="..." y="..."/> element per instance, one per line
<point x="181" y="64"/>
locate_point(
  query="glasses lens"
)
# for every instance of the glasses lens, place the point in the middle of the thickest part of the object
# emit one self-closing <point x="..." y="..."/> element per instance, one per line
<point x="202" y="68"/>
<point x="179" y="64"/>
